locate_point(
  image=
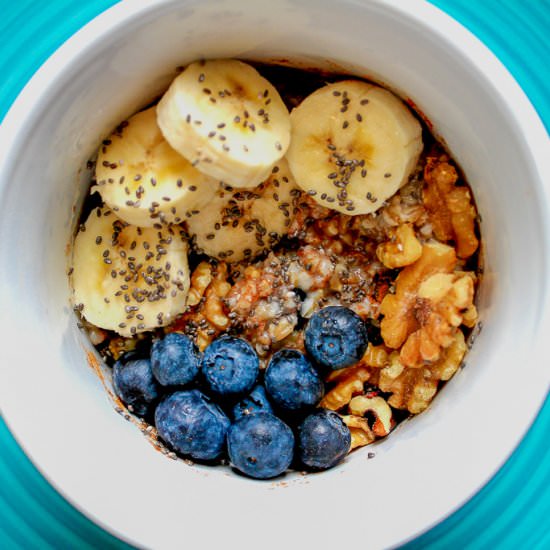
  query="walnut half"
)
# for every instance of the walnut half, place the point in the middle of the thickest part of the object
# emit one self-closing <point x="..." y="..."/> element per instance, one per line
<point x="443" y="300"/>
<point x="431" y="301"/>
<point x="399" y="308"/>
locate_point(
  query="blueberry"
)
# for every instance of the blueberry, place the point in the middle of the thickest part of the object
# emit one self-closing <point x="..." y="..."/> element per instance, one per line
<point x="255" y="401"/>
<point x="323" y="440"/>
<point x="191" y="424"/>
<point x="230" y="366"/>
<point x="175" y="360"/>
<point x="336" y="337"/>
<point x="260" y="445"/>
<point x="292" y="382"/>
<point x="135" y="384"/>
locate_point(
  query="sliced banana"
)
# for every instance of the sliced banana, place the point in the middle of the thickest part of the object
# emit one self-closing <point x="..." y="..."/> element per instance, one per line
<point x="227" y="120"/>
<point x="353" y="146"/>
<point x="240" y="224"/>
<point x="144" y="180"/>
<point x="126" y="278"/>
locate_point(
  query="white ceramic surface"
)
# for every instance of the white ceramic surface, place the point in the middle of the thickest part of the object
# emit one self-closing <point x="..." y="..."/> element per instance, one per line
<point x="54" y="403"/>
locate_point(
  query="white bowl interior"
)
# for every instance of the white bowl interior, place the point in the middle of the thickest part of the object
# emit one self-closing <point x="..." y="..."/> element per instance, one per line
<point x="57" y="406"/>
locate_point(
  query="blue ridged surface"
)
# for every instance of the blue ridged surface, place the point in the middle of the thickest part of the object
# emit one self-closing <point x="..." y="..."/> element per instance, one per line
<point x="512" y="511"/>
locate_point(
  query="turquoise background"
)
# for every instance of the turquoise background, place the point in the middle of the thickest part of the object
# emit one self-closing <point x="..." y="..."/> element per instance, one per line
<point x="511" y="511"/>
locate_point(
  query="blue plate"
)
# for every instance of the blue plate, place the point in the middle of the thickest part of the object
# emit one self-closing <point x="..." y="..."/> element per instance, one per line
<point x="511" y="511"/>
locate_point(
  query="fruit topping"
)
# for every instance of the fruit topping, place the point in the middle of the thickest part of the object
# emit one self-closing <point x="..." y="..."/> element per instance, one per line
<point x="292" y="382"/>
<point x="175" y="360"/>
<point x="192" y="424"/>
<point x="230" y="367"/>
<point x="336" y="337"/>
<point x="353" y="145"/>
<point x="144" y="180"/>
<point x="255" y="402"/>
<point x="127" y="278"/>
<point x="260" y="445"/>
<point x="227" y="120"/>
<point x="135" y="385"/>
<point x="323" y="440"/>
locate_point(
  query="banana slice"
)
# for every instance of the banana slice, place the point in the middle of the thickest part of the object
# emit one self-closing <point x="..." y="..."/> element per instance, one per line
<point x="144" y="180"/>
<point x="240" y="224"/>
<point x="353" y="146"/>
<point x="126" y="278"/>
<point x="226" y="119"/>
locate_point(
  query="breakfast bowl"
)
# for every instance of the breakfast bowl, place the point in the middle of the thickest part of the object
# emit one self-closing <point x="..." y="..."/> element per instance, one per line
<point x="55" y="402"/>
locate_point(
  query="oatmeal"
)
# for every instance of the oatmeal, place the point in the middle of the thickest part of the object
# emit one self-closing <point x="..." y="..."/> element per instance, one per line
<point x="291" y="272"/>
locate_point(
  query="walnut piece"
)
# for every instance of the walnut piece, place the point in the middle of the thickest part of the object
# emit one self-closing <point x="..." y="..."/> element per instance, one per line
<point x="402" y="249"/>
<point x="213" y="305"/>
<point x="383" y="423"/>
<point x="375" y="356"/>
<point x="206" y="318"/>
<point x="350" y="384"/>
<point x="360" y="431"/>
<point x="450" y="209"/>
<point x="200" y="279"/>
<point x="412" y="389"/>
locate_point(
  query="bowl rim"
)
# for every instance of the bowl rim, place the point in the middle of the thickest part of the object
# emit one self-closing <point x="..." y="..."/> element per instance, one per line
<point x="29" y="102"/>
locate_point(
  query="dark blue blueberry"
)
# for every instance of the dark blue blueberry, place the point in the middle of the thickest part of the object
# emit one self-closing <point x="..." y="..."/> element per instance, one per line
<point x="260" y="445"/>
<point x="192" y="425"/>
<point x="336" y="337"/>
<point x="230" y="366"/>
<point x="255" y="401"/>
<point x="323" y="440"/>
<point x="135" y="384"/>
<point x="175" y="360"/>
<point x="292" y="382"/>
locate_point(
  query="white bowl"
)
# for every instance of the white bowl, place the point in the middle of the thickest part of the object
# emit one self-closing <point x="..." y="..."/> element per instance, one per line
<point x="56" y="405"/>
